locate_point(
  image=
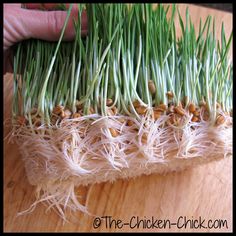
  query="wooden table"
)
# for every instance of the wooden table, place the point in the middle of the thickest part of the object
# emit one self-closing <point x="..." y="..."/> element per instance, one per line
<point x="204" y="191"/>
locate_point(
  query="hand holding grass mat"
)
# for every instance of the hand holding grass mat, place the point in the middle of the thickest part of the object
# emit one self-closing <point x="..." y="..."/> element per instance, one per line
<point x="117" y="104"/>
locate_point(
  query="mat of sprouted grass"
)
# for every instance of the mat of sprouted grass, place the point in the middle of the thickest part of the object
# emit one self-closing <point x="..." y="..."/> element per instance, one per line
<point x="128" y="99"/>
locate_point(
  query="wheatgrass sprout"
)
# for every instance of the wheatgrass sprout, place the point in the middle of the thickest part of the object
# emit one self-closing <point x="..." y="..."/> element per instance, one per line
<point x="127" y="99"/>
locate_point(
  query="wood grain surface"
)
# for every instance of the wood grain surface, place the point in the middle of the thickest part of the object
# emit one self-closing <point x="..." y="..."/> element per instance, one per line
<point x="203" y="192"/>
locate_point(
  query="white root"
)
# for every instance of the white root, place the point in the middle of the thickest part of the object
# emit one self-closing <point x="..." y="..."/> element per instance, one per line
<point x="82" y="151"/>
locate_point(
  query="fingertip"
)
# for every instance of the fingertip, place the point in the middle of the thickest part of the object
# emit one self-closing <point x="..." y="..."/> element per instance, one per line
<point x="84" y="21"/>
<point x="70" y="31"/>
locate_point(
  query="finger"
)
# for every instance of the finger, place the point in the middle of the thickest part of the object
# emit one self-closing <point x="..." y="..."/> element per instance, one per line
<point x="48" y="6"/>
<point x="22" y="24"/>
<point x="48" y="25"/>
<point x="12" y="5"/>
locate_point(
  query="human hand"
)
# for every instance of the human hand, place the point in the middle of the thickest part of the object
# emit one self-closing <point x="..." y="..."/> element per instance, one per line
<point x="21" y="23"/>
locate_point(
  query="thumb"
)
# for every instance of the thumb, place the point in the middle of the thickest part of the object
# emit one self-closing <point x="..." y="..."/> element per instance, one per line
<point x="20" y="24"/>
<point x="47" y="25"/>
